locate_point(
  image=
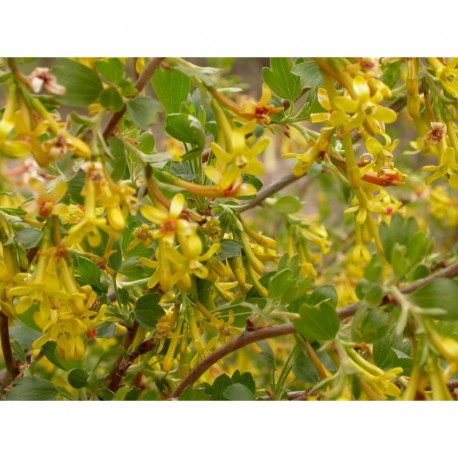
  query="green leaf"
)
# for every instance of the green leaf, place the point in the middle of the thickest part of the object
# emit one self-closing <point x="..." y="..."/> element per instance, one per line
<point x="75" y="186"/>
<point x="304" y="370"/>
<point x="238" y="392"/>
<point x="374" y="294"/>
<point x="419" y="247"/>
<point x="386" y="351"/>
<point x="202" y="73"/>
<point x="118" y="152"/>
<point x="112" y="70"/>
<point x="193" y="394"/>
<point x="394" y="233"/>
<point x="186" y="128"/>
<point x="82" y="85"/>
<point x="32" y="389"/>
<point x="88" y="273"/>
<point x="309" y="73"/>
<point x="18" y="352"/>
<point x="146" y="142"/>
<point x="311" y="105"/>
<point x="105" y="330"/>
<point x="50" y="351"/>
<point x="147" y="311"/>
<point x="111" y="99"/>
<point x="281" y="80"/>
<point x="391" y="74"/>
<point x="219" y="385"/>
<point x="318" y="323"/>
<point x="28" y="236"/>
<point x="253" y="180"/>
<point x="245" y="379"/>
<point x="324" y="293"/>
<point x="287" y="205"/>
<point x="77" y="378"/>
<point x="27" y="318"/>
<point x="13" y="211"/>
<point x="369" y="325"/>
<point x="267" y="356"/>
<point x="441" y="293"/>
<point x="230" y="249"/>
<point x="128" y="88"/>
<point x="115" y="260"/>
<point x="282" y="287"/>
<point x="172" y="88"/>
<point x="142" y="111"/>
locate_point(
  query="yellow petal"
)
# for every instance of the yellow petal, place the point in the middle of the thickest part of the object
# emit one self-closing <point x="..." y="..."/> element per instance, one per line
<point x="153" y="214"/>
<point x="176" y="205"/>
<point x="254" y="167"/>
<point x="323" y="98"/>
<point x="212" y="174"/>
<point x="259" y="147"/>
<point x="361" y="87"/>
<point x="220" y="153"/>
<point x="266" y="95"/>
<point x="346" y="104"/>
<point x="384" y="114"/>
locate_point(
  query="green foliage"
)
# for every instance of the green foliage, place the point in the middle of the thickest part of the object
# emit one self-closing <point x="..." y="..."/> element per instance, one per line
<point x="142" y="111"/>
<point x="147" y="310"/>
<point x="172" y="88"/>
<point x="83" y="86"/>
<point x="280" y="79"/>
<point x="112" y="70"/>
<point x="186" y="128"/>
<point x="32" y="389"/>
<point x="439" y="294"/>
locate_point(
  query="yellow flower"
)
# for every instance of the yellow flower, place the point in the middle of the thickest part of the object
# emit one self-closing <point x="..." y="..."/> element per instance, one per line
<point x="352" y="113"/>
<point x="448" y="168"/>
<point x="173" y="267"/>
<point x="90" y="225"/>
<point x="237" y="159"/>
<point x="64" y="309"/>
<point x="169" y="224"/>
<point x="447" y="74"/>
<point x="260" y="111"/>
<point x="10" y="145"/>
<point x="45" y="202"/>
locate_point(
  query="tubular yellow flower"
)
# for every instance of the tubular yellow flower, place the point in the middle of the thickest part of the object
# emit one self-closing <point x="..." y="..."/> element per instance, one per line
<point x="45" y="202"/>
<point x="260" y="111"/>
<point x="237" y="159"/>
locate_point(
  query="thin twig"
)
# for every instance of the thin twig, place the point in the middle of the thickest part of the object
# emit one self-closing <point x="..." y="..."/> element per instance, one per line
<point x="248" y="337"/>
<point x="120" y="370"/>
<point x="10" y="364"/>
<point x="448" y="272"/>
<point x="286" y="180"/>
<point x="114" y="377"/>
<point x="269" y="332"/>
<point x="141" y="82"/>
<point x="271" y="189"/>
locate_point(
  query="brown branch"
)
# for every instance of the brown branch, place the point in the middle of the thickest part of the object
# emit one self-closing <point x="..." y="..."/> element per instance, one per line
<point x="249" y="337"/>
<point x="141" y="82"/>
<point x="448" y="272"/>
<point x="114" y="378"/>
<point x="271" y="189"/>
<point x="120" y="369"/>
<point x="285" y="181"/>
<point x="10" y="363"/>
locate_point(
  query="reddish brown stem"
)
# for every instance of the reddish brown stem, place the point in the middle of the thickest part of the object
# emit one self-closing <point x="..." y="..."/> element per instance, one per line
<point x="10" y="363"/>
<point x="145" y="76"/>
